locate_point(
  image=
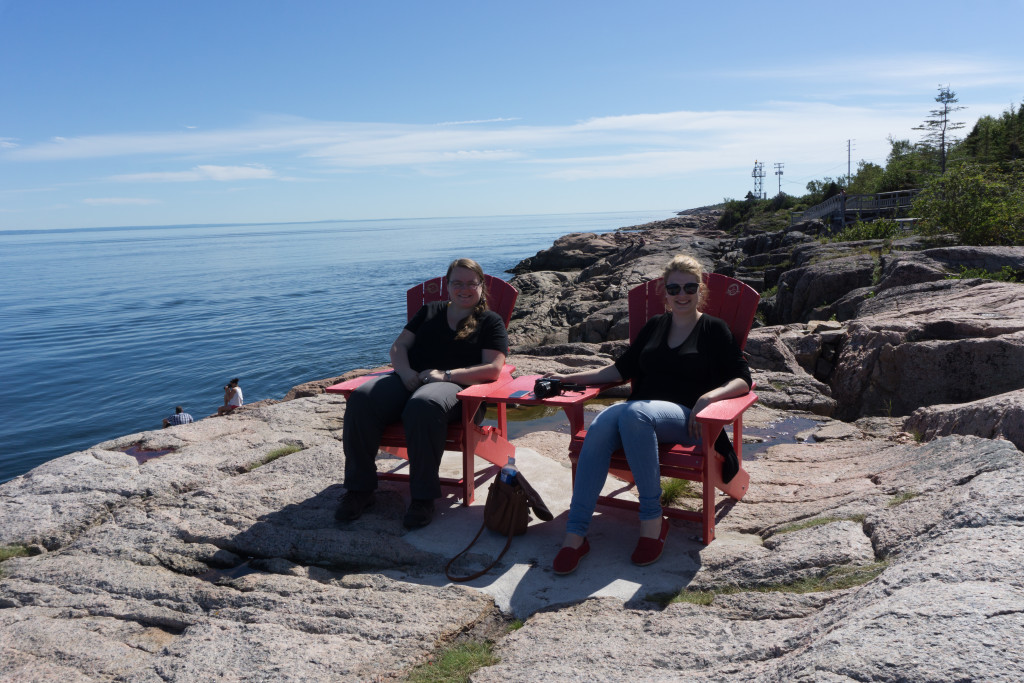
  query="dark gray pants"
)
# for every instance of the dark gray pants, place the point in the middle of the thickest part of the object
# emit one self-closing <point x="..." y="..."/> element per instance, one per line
<point x="425" y="414"/>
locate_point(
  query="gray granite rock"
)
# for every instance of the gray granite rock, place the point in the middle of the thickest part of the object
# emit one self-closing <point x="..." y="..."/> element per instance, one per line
<point x="209" y="564"/>
<point x="995" y="417"/>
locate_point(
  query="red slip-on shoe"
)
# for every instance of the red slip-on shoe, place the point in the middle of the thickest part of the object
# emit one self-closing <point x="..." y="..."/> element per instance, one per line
<point x="648" y="550"/>
<point x="568" y="558"/>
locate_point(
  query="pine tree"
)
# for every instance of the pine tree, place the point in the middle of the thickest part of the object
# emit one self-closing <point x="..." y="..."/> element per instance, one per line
<point x="939" y="129"/>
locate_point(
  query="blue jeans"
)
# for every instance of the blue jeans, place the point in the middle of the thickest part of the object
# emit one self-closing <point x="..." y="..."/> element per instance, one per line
<point x="637" y="427"/>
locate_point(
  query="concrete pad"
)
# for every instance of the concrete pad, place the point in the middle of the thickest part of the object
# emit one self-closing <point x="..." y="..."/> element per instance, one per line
<point x="523" y="582"/>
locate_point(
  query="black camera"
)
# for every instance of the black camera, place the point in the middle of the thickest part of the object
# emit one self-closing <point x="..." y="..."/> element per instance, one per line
<point x="546" y="387"/>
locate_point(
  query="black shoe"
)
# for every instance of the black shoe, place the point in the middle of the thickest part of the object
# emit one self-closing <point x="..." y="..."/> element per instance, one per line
<point x="420" y="514"/>
<point x="353" y="504"/>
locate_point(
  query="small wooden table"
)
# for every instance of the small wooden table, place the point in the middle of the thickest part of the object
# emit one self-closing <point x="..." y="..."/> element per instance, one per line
<point x="520" y="390"/>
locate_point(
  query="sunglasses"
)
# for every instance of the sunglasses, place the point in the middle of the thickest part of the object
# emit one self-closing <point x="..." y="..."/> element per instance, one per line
<point x="689" y="288"/>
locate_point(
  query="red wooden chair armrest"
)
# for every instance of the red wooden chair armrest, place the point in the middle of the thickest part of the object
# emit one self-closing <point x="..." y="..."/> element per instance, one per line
<point x="484" y="390"/>
<point x="348" y="386"/>
<point x="727" y="410"/>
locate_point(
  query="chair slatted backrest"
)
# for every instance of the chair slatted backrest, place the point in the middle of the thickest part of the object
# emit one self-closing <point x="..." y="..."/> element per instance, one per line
<point x="501" y="296"/>
<point x="727" y="298"/>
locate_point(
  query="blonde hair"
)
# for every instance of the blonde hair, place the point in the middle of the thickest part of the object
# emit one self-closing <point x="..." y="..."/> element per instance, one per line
<point x="684" y="263"/>
<point x="467" y="325"/>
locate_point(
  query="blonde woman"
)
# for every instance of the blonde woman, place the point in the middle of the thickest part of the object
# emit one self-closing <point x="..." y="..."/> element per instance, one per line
<point x="681" y="361"/>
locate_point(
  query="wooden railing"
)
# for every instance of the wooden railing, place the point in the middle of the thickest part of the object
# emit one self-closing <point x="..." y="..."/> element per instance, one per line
<point x="841" y="207"/>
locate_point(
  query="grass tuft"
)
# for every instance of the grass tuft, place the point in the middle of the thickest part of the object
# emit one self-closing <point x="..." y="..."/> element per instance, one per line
<point x="273" y="455"/>
<point x="901" y="498"/>
<point x="672" y="490"/>
<point x="454" y="664"/>
<point x="9" y="551"/>
<point x="817" y="521"/>
<point x="837" y="578"/>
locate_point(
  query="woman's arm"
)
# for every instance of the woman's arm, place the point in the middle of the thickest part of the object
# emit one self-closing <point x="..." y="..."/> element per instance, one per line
<point x="606" y="375"/>
<point x="734" y="387"/>
<point x="400" y="360"/>
<point x="487" y="371"/>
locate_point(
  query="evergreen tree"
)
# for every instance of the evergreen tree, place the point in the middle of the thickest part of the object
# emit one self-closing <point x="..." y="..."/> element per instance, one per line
<point x="939" y="129"/>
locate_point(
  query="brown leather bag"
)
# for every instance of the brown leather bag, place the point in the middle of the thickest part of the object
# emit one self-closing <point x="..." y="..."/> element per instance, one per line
<point x="507" y="512"/>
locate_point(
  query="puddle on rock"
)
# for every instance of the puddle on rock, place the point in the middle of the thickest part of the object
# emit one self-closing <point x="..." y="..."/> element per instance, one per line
<point x="523" y="420"/>
<point x="784" y="431"/>
<point x="142" y="455"/>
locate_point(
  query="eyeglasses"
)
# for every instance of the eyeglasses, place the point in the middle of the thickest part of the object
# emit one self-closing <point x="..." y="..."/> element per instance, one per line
<point x="458" y="284"/>
<point x="689" y="288"/>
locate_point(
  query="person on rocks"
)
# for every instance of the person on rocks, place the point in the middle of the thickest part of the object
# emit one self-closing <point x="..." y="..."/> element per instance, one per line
<point x="232" y="397"/>
<point x="180" y="417"/>
<point x="681" y="361"/>
<point x="447" y="345"/>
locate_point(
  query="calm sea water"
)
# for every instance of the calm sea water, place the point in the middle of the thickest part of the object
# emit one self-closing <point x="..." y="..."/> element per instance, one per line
<point x="104" y="331"/>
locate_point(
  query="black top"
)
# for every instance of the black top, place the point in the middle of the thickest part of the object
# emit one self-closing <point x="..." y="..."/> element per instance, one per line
<point x="436" y="348"/>
<point x="706" y="359"/>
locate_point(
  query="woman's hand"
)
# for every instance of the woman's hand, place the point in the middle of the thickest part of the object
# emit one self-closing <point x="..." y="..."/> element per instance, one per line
<point x="734" y="387"/>
<point x="702" y="403"/>
<point x="410" y="378"/>
<point x="428" y="376"/>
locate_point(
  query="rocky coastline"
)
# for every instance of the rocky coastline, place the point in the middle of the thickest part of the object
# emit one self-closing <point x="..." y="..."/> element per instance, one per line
<point x="882" y="542"/>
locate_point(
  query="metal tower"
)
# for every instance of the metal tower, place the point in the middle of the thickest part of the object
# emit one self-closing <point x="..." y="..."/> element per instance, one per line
<point x="758" y="176"/>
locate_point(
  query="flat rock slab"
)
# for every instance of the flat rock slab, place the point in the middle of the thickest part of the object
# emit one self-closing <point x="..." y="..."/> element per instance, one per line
<point x="200" y="565"/>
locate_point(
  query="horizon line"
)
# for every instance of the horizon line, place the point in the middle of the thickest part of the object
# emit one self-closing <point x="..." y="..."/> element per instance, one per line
<point x="28" y="231"/>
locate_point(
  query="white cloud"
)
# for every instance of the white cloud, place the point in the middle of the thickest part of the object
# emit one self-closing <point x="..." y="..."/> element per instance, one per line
<point x="119" y="201"/>
<point x="199" y="173"/>
<point x="8" y="143"/>
<point x="901" y="71"/>
<point x="656" y="144"/>
<point x="466" y="123"/>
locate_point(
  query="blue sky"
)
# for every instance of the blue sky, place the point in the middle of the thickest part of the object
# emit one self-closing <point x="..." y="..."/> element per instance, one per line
<point x="120" y="112"/>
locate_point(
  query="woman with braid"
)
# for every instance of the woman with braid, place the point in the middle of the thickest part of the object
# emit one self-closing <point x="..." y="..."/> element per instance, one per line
<point x="446" y="346"/>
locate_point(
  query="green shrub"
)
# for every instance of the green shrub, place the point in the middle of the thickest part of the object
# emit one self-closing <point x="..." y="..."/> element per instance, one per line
<point x="980" y="205"/>
<point x="868" y="230"/>
<point x="1005" y="274"/>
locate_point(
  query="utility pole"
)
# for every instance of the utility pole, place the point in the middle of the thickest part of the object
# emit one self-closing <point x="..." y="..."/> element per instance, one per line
<point x="758" y="174"/>
<point x="778" y="172"/>
<point x="849" y="151"/>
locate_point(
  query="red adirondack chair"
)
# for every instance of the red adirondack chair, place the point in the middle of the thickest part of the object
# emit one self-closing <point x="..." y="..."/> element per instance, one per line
<point x="735" y="303"/>
<point x="489" y="443"/>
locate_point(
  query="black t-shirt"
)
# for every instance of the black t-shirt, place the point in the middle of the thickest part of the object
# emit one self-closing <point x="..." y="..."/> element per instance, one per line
<point x="436" y="348"/>
<point x="707" y="359"/>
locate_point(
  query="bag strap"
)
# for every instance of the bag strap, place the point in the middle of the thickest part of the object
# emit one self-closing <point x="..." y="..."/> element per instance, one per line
<point x="448" y="567"/>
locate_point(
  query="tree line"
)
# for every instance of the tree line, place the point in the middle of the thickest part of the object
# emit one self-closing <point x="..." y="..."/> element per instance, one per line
<point x="971" y="187"/>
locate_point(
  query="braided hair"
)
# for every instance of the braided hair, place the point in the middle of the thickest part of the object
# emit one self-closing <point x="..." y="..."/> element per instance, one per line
<point x="468" y="325"/>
